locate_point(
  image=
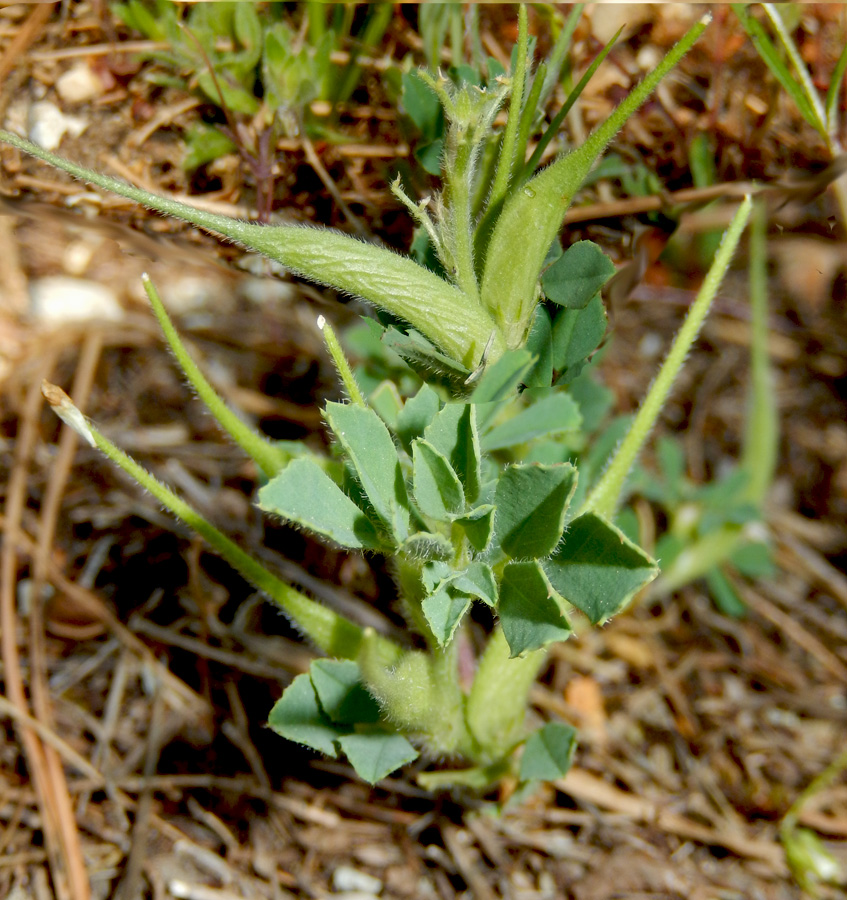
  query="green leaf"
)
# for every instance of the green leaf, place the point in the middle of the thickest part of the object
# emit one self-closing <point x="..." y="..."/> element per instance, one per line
<point x="430" y="156"/>
<point x="422" y="107"/>
<point x="834" y="90"/>
<point x="438" y="491"/>
<point x="597" y="569"/>
<point x="548" y="752"/>
<point x="424" y="545"/>
<point x="459" y="326"/>
<point x="531" y="502"/>
<point x="204" y="143"/>
<point x="477" y="581"/>
<point x="304" y="494"/>
<point x="416" y="414"/>
<point x="433" y="574"/>
<point x="235" y="96"/>
<point x="555" y="413"/>
<point x="369" y="447"/>
<point x="577" y="275"/>
<point x="340" y="693"/>
<point x="478" y="526"/>
<point x="754" y="560"/>
<point x="516" y="252"/>
<point x="425" y="358"/>
<point x="297" y="717"/>
<point x="593" y="399"/>
<point x="374" y="755"/>
<point x="248" y="30"/>
<point x="780" y="70"/>
<point x="540" y="345"/>
<point x="444" y="610"/>
<point x="529" y="614"/>
<point x="576" y="335"/>
<point x="386" y="403"/>
<point x="453" y="433"/>
<point x="501" y="379"/>
<point x="724" y="594"/>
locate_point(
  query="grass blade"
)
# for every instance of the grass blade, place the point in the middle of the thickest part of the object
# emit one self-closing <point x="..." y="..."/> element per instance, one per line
<point x="604" y="497"/>
<point x="268" y="457"/>
<point x="767" y="50"/>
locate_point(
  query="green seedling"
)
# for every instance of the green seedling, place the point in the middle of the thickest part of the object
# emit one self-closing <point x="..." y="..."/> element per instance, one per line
<point x="787" y="65"/>
<point x="718" y="529"/>
<point x="443" y="482"/>
<point x="261" y="69"/>
<point x="811" y="863"/>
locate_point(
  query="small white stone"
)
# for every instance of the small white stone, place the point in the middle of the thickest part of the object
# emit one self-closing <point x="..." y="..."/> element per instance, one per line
<point x="650" y="345"/>
<point x="191" y="293"/>
<point x="346" y="879"/>
<point x="48" y="125"/>
<point x="79" y="84"/>
<point x="648" y="58"/>
<point x="58" y="299"/>
<point x="264" y="291"/>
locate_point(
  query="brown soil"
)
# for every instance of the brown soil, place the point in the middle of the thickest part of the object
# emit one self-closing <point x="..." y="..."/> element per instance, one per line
<point x="138" y="669"/>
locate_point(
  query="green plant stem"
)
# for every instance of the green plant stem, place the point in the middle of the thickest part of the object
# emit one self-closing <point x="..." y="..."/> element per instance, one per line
<point x="606" y="494"/>
<point x="345" y="373"/>
<point x="506" y="161"/>
<point x="496" y="707"/>
<point x="330" y="632"/>
<point x="510" y="280"/>
<point x="698" y="558"/>
<point x="269" y="458"/>
<point x="379" y="18"/>
<point x="457" y="39"/>
<point x="802" y="72"/>
<point x="461" y="230"/>
<point x="559" y="53"/>
<point x="454" y="321"/>
<point x="529" y="115"/>
<point x="553" y="128"/>
<point x="761" y="437"/>
<point x="818" y="784"/>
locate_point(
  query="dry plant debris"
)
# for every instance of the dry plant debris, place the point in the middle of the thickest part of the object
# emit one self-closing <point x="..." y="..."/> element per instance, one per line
<point x="135" y="666"/>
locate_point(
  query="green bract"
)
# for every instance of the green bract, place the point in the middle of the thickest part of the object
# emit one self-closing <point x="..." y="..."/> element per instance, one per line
<point x="464" y="483"/>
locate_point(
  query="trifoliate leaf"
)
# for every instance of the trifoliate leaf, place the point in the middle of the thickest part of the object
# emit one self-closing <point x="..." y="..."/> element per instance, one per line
<point x="298" y="717"/>
<point x="453" y="433"/>
<point x="577" y="275"/>
<point x="531" y="502"/>
<point x="529" y="613"/>
<point x="304" y="494"/>
<point x="554" y="413"/>
<point x="369" y="448"/>
<point x="416" y="414"/>
<point x="597" y="568"/>
<point x="478" y="526"/>
<point x="548" y="752"/>
<point x="438" y="491"/>
<point x="374" y="755"/>
<point x="444" y="611"/>
<point x="343" y="699"/>
<point x="477" y="581"/>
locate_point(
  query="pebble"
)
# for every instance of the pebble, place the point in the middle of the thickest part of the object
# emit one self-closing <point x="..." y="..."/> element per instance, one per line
<point x="346" y="879"/>
<point x="47" y="125"/>
<point x="264" y="291"/>
<point x="57" y="299"/>
<point x="79" y="84"/>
